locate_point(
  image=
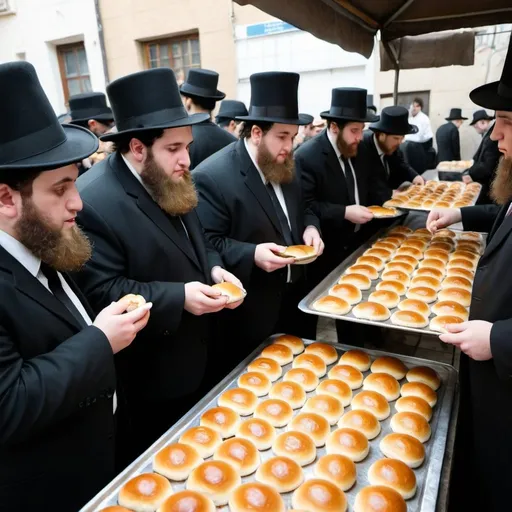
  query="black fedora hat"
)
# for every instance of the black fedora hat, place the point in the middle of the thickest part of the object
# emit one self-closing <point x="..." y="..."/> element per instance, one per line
<point x="135" y="110"/>
<point x="394" y="121"/>
<point x="455" y="114"/>
<point x="31" y="136"/>
<point x="497" y="95"/>
<point x="481" y="115"/>
<point x="274" y="99"/>
<point x="229" y="109"/>
<point x="89" y="105"/>
<point x="349" y="104"/>
<point x="203" y="84"/>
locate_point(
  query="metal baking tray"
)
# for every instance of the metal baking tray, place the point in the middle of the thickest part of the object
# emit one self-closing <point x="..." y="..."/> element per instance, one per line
<point x="322" y="288"/>
<point x="428" y="475"/>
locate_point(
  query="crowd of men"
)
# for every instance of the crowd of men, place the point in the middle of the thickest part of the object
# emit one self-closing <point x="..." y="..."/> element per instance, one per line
<point x="182" y="203"/>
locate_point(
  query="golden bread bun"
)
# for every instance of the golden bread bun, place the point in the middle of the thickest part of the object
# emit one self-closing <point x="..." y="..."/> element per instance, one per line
<point x="372" y="261"/>
<point x="423" y="231"/>
<point x="327" y="352"/>
<point x="419" y="244"/>
<point x="277" y="412"/>
<point x="373" y="402"/>
<point x="359" y="359"/>
<point x="360" y="280"/>
<point x="421" y="390"/>
<point x="443" y="240"/>
<point x="400" y="229"/>
<point x="281" y="473"/>
<point x="463" y="297"/>
<point x="295" y="445"/>
<point x="332" y="305"/>
<point x="461" y="204"/>
<point x="337" y="469"/>
<point x="411" y="319"/>
<point x="441" y="246"/>
<point x="301" y="253"/>
<point x="348" y="292"/>
<point x="352" y="376"/>
<point x="414" y="404"/>
<point x="457" y="282"/>
<point x="256" y="382"/>
<point x="349" y="442"/>
<point x="290" y="392"/>
<point x="385" y="297"/>
<point x="242" y="401"/>
<point x="468" y="246"/>
<point x="336" y="388"/>
<point x="423" y="293"/>
<point x="144" y="492"/>
<point x="395" y="240"/>
<point x="407" y="259"/>
<point x="233" y="292"/>
<point x="427" y="282"/>
<point x="402" y="266"/>
<point x="429" y="203"/>
<point x="267" y="366"/>
<point x="311" y="362"/>
<point x="395" y="474"/>
<point x="254" y="497"/>
<point x="382" y="244"/>
<point x="383" y="211"/>
<point x="204" y="439"/>
<point x="433" y="263"/>
<point x="410" y="251"/>
<point x="176" y="461"/>
<point x="364" y="270"/>
<point x="329" y="407"/>
<point x="429" y="272"/>
<point x="465" y="255"/>
<point x="391" y="203"/>
<point x="425" y="375"/>
<point x="312" y="424"/>
<point x="383" y="254"/>
<point x="371" y="311"/>
<point x="390" y="365"/>
<point x="403" y="447"/>
<point x="411" y="423"/>
<point x="450" y="308"/>
<point x="384" y="384"/>
<point x="392" y="286"/>
<point x="133" y="301"/>
<point x="295" y="343"/>
<point x="302" y="376"/>
<point x="418" y="306"/>
<point x="279" y="353"/>
<point x="222" y="419"/>
<point x="259" y="431"/>
<point x="395" y="275"/>
<point x="318" y="495"/>
<point x="462" y="272"/>
<point x="190" y="501"/>
<point x="440" y="323"/>
<point x="241" y="453"/>
<point x="363" y="421"/>
<point x="445" y="232"/>
<point x="462" y="263"/>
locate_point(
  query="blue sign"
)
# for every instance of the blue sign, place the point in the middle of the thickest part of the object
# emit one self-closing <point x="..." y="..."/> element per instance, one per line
<point x="271" y="27"/>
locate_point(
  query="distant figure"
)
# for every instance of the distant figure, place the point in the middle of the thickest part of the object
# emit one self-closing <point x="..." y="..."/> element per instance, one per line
<point x="419" y="119"/>
<point x="448" y="137"/>
<point x="309" y="131"/>
<point x="226" y="117"/>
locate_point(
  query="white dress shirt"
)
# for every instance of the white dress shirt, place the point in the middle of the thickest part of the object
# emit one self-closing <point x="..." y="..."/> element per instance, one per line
<point x="422" y="121"/>
<point x="381" y="155"/>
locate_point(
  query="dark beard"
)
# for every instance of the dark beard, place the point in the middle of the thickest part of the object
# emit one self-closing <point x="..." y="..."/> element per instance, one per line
<point x="274" y="172"/>
<point x="501" y="187"/>
<point x="59" y="251"/>
<point x="174" y="198"/>
<point x="346" y="150"/>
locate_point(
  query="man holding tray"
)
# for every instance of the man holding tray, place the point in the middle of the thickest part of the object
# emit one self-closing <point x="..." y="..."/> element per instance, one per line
<point x="483" y="467"/>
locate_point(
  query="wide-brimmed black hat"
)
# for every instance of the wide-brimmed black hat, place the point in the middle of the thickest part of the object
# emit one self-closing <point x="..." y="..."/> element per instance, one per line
<point x="455" y="115"/>
<point x="349" y="104"/>
<point x="203" y="84"/>
<point x="497" y="95"/>
<point x="394" y="121"/>
<point x="229" y="109"/>
<point x="31" y="136"/>
<point x="274" y="99"/>
<point x="147" y="100"/>
<point x="481" y="115"/>
<point x="89" y="105"/>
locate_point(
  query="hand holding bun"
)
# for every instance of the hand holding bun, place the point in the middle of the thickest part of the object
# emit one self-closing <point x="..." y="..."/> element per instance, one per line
<point x="133" y="301"/>
<point x="233" y="292"/>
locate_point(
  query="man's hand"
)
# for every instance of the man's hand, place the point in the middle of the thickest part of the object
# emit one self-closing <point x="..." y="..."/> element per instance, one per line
<point x="220" y="275"/>
<point x="266" y="259"/>
<point x="201" y="298"/>
<point x="418" y="181"/>
<point x="466" y="178"/>
<point x="442" y="218"/>
<point x="358" y="214"/>
<point x="473" y="338"/>
<point x="312" y="238"/>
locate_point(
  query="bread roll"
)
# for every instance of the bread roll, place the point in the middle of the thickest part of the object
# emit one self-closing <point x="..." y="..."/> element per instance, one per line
<point x="418" y="306"/>
<point x="429" y="272"/>
<point x="383" y="254"/>
<point x="385" y="297"/>
<point x="352" y="376"/>
<point x="277" y="412"/>
<point x="457" y="282"/>
<point x="424" y="232"/>
<point x="441" y="246"/>
<point x="311" y="362"/>
<point x="215" y="479"/>
<point x="427" y="282"/>
<point x="390" y="365"/>
<point x="188" y="501"/>
<point x="382" y="244"/>
<point x="433" y="263"/>
<point x="425" y="375"/>
<point x="474" y="247"/>
<point x="312" y="424"/>
<point x="323" y="350"/>
<point x="420" y="389"/>
<point x="440" y="323"/>
<point x="348" y="292"/>
<point x="293" y="342"/>
<point x="295" y="445"/>
<point x="463" y="297"/>
<point x="372" y="261"/>
<point x="337" y="469"/>
<point x="359" y="359"/>
<point x="395" y="240"/>
<point x="450" y="308"/>
<point x="445" y="232"/>
<point x="222" y="419"/>
<point x="233" y="292"/>
<point x="361" y="281"/>
<point x="373" y="402"/>
<point x="371" y="311"/>
<point x="461" y="263"/>
<point x="414" y="404"/>
<point x="281" y="354"/>
<point x="176" y="461"/>
<point x="302" y="376"/>
<point x="411" y="319"/>
<point x="465" y="255"/>
<point x="411" y="423"/>
<point x="336" y="388"/>
<point x="301" y="253"/>
<point x="403" y="447"/>
<point x="204" y="439"/>
<point x="329" y="407"/>
<point x="281" y="473"/>
<point x="365" y="270"/>
<point x="400" y="229"/>
<point x="462" y="272"/>
<point x="393" y="203"/>
<point x="241" y="453"/>
<point x="291" y="392"/>
<point x="402" y="266"/>
<point x="407" y="259"/>
<point x="384" y="384"/>
<point x="444" y="240"/>
<point x="416" y="243"/>
<point x="254" y="497"/>
<point x="332" y="305"/>
<point x="423" y="293"/>
<point x="349" y="442"/>
<point x="393" y="286"/>
<point x="256" y="382"/>
<point x="396" y="275"/>
<point x="267" y="366"/>
<point x="428" y="204"/>
<point x="382" y="211"/>
<point x="363" y="421"/>
<point x="259" y="431"/>
<point x="410" y="251"/>
<point x="395" y="474"/>
<point x="146" y="491"/>
<point x="240" y="400"/>
<point x="317" y="495"/>
<point x="133" y="301"/>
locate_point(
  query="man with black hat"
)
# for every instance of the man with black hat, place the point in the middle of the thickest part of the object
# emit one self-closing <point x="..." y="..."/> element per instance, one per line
<point x="448" y="137"/>
<point x="483" y="461"/>
<point x="228" y="112"/>
<point x="91" y="111"/>
<point x="139" y="211"/>
<point x="200" y="94"/>
<point x="57" y="376"/>
<point x="251" y="207"/>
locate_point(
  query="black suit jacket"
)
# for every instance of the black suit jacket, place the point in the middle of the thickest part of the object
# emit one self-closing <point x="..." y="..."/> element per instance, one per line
<point x="137" y="250"/>
<point x="56" y="388"/>
<point x="237" y="214"/>
<point x="448" y="142"/>
<point x="208" y="139"/>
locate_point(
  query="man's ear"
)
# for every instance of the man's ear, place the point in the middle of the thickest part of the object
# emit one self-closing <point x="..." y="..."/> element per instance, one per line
<point x="8" y="203"/>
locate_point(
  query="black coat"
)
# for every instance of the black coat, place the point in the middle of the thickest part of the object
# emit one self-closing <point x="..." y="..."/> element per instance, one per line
<point x="56" y="388"/>
<point x="448" y="142"/>
<point x="208" y="139"/>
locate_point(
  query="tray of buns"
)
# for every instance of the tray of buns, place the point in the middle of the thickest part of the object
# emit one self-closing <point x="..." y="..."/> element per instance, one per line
<point x="403" y="279"/>
<point x="301" y="425"/>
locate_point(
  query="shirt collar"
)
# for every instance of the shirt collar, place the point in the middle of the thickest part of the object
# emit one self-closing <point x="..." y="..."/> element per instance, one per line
<point x="379" y="150"/>
<point x="18" y="251"/>
<point x="136" y="174"/>
<point x="332" y="140"/>
<point x="253" y="158"/>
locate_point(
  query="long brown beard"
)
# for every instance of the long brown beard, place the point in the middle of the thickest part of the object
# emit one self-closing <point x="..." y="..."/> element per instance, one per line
<point x="273" y="171"/>
<point x="346" y="150"/>
<point x="501" y="187"/>
<point x="175" y="198"/>
<point x="65" y="251"/>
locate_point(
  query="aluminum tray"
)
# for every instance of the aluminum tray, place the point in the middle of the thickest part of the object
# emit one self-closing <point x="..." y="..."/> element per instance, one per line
<point x="428" y="475"/>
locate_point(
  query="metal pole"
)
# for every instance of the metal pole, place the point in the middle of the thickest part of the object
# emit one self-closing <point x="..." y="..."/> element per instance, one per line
<point x="101" y="38"/>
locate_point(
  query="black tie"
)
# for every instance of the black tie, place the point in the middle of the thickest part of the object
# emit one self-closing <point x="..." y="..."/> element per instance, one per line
<point x="283" y="221"/>
<point x="386" y="164"/>
<point x="349" y="177"/>
<point x="56" y="288"/>
<point x="178" y="226"/>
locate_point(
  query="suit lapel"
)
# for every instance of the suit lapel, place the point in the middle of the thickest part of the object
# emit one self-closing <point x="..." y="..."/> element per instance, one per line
<point x="501" y="228"/>
<point x="334" y="166"/>
<point x="290" y="198"/>
<point x="196" y="235"/>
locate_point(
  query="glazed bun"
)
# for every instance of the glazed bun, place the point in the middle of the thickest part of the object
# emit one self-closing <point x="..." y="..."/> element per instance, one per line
<point x="144" y="492"/>
<point x="205" y="440"/>
<point x="407" y="259"/>
<point x="329" y="407"/>
<point x="400" y="229"/>
<point x="176" y="461"/>
<point x="133" y="301"/>
<point x="410" y="251"/>
<point x="363" y="421"/>
<point x="383" y="254"/>
<point x="371" y="311"/>
<point x="323" y="350"/>
<point x="295" y="445"/>
<point x="402" y="266"/>
<point x="240" y="400"/>
<point x="403" y="447"/>
<point x="429" y="272"/>
<point x="188" y="500"/>
<point x="457" y="282"/>
<point x="241" y="453"/>
<point x="295" y="343"/>
<point x="385" y="297"/>
<point x="311" y="362"/>
<point x="416" y="244"/>
<point x="411" y="423"/>
<point x="382" y="211"/>
<point x="423" y="232"/>
<point x="259" y="431"/>
<point x="277" y="412"/>
<point x="411" y="319"/>
<point x="379" y="498"/>
<point x="465" y="255"/>
<point x="290" y="392"/>
<point x="372" y="261"/>
<point x="336" y="388"/>
<point x="395" y="240"/>
<point x="384" y="384"/>
<point x="396" y="275"/>
<point x="254" y="497"/>
<point x="332" y="305"/>
<point x="462" y="263"/>
<point x="361" y="281"/>
<point x="266" y="366"/>
<point x="427" y="295"/>
<point x="337" y="469"/>
<point x="470" y="235"/>
<point x="302" y="376"/>
<point x="414" y="404"/>
<point x="463" y="297"/>
<point x="348" y="292"/>
<point x="365" y="270"/>
<point x="352" y="376"/>
<point x="425" y="375"/>
<point x="256" y="382"/>
<point x="451" y="308"/>
<point x="312" y="424"/>
<point x="390" y="365"/>
<point x="382" y="244"/>
<point x="222" y="419"/>
<point x="461" y="272"/>
<point x="445" y="232"/>
<point x="427" y="282"/>
<point x="349" y="442"/>
<point x="318" y="495"/>
<point x="359" y="359"/>
<point x="433" y="263"/>
<point x="421" y="390"/>
<point x="395" y="474"/>
<point x="281" y="473"/>
<point x="281" y="354"/>
<point x="373" y="402"/>
<point x="393" y="286"/>
<point x="233" y="292"/>
<point x="441" y="246"/>
<point x="440" y="323"/>
<point x="418" y="306"/>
